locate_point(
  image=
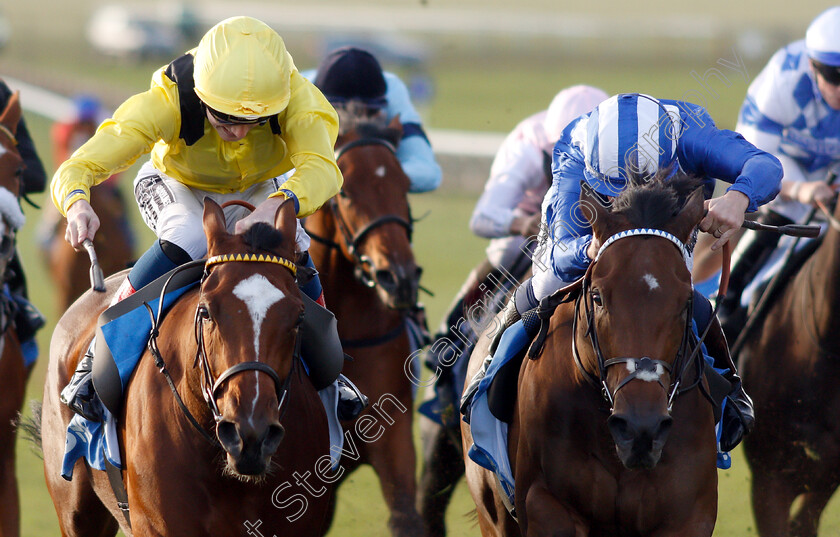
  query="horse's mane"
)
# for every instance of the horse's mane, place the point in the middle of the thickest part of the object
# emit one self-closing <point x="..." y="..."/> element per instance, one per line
<point x="262" y="236"/>
<point x="354" y="116"/>
<point x="653" y="201"/>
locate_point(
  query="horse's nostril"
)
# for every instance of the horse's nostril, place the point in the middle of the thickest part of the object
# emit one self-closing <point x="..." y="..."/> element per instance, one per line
<point x="272" y="439"/>
<point x="619" y="428"/>
<point x="386" y="278"/>
<point x="228" y="435"/>
<point x="662" y="429"/>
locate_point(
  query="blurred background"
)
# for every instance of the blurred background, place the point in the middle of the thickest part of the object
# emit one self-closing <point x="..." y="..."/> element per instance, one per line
<point x="475" y="69"/>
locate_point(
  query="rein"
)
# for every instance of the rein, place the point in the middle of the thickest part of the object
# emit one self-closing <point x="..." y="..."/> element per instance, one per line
<point x="642" y="365"/>
<point x="211" y="385"/>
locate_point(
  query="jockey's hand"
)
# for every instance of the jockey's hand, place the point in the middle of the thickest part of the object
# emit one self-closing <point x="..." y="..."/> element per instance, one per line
<point x="724" y="216"/>
<point x="82" y="223"/>
<point x="264" y="212"/>
<point x="812" y="192"/>
<point x="526" y="226"/>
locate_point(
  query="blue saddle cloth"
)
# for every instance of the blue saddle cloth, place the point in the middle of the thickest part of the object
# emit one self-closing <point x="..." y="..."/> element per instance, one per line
<point x="490" y="435"/>
<point x="126" y="337"/>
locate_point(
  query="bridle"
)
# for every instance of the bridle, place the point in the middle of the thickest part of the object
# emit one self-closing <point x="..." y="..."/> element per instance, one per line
<point x="212" y="384"/>
<point x="364" y="267"/>
<point x="641" y="365"/>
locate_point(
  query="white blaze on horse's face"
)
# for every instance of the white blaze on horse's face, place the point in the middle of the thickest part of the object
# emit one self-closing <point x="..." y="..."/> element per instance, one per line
<point x="651" y="281"/>
<point x="258" y="294"/>
<point x="380" y="171"/>
<point x="647" y="376"/>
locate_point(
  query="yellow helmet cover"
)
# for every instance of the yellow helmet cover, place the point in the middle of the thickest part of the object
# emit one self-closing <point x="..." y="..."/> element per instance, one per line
<point x="242" y="69"/>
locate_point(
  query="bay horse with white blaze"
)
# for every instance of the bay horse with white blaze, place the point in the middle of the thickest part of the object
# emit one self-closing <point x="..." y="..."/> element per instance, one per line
<point x="790" y="366"/>
<point x="610" y="434"/>
<point x="362" y="249"/>
<point x="240" y="375"/>
<point x="13" y="373"/>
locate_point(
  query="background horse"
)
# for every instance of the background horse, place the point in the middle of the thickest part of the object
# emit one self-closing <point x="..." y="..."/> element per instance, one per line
<point x="588" y="462"/>
<point x="790" y="367"/>
<point x="13" y="373"/>
<point x="362" y="249"/>
<point x="271" y="422"/>
<point x="69" y="268"/>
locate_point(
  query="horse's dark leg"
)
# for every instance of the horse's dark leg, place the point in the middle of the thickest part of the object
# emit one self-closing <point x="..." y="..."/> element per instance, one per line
<point x="395" y="461"/>
<point x="330" y="514"/>
<point x="771" y="499"/>
<point x="443" y="466"/>
<point x="9" y="504"/>
<point x="807" y="520"/>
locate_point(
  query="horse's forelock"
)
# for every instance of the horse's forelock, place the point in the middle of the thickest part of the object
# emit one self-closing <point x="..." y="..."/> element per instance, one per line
<point x="654" y="201"/>
<point x="262" y="236"/>
<point x="379" y="131"/>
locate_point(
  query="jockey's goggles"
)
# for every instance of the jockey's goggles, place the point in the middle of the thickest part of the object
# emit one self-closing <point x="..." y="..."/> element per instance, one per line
<point x="227" y="119"/>
<point x="830" y="73"/>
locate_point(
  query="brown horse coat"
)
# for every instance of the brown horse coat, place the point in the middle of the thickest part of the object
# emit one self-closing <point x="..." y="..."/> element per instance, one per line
<point x="13" y="374"/>
<point x="578" y="469"/>
<point x="374" y="192"/>
<point x="791" y="366"/>
<point x="178" y="483"/>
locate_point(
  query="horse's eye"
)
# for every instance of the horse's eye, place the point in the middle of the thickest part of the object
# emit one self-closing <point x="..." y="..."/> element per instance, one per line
<point x="299" y="320"/>
<point x="204" y="312"/>
<point x="19" y="172"/>
<point x="596" y="298"/>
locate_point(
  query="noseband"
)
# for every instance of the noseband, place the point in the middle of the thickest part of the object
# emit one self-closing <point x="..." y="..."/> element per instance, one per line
<point x="643" y="366"/>
<point x="352" y="239"/>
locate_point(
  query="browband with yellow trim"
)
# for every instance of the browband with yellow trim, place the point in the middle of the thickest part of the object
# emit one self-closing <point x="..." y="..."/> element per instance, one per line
<point x="254" y="258"/>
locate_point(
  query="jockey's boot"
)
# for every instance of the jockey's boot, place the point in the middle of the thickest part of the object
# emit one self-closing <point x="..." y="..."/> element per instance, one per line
<point x="757" y="247"/>
<point x="79" y="394"/>
<point x="738" y="417"/>
<point x="159" y="259"/>
<point x="523" y="300"/>
<point x="351" y="401"/>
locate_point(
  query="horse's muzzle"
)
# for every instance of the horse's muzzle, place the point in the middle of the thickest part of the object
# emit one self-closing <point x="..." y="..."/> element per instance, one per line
<point x="639" y="440"/>
<point x="399" y="285"/>
<point x="249" y="451"/>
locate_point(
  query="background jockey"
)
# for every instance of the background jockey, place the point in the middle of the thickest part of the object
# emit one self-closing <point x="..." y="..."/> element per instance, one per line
<point x="222" y="121"/>
<point x="28" y="320"/>
<point x="650" y="135"/>
<point x="354" y="83"/>
<point x="508" y="212"/>
<point x="792" y="110"/>
<point x="67" y="136"/>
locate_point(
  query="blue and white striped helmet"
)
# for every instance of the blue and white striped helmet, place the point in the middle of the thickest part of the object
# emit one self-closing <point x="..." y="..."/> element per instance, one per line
<point x="628" y="133"/>
<point x="823" y="37"/>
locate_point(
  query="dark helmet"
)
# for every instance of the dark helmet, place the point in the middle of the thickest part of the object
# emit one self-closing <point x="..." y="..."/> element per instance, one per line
<point x="352" y="73"/>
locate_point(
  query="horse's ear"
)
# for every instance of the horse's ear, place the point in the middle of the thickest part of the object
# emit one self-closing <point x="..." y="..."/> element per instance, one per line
<point x="214" y="221"/>
<point x="690" y="215"/>
<point x="596" y="212"/>
<point x="12" y="114"/>
<point x="284" y="217"/>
